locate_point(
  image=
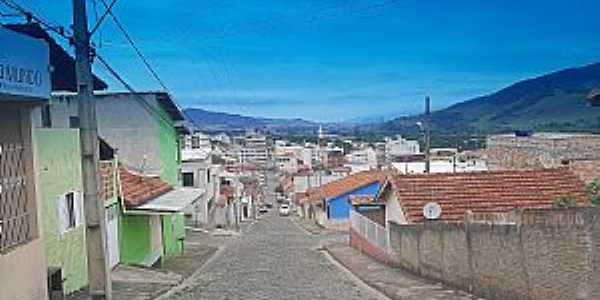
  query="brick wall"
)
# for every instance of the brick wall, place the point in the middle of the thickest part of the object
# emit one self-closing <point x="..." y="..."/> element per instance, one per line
<point x="364" y="246"/>
<point x="547" y="254"/>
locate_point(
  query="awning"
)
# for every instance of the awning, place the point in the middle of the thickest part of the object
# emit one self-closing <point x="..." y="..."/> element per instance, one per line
<point x="173" y="201"/>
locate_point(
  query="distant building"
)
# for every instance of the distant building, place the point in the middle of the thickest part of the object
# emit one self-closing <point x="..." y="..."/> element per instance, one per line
<point x="362" y="160"/>
<point x="400" y="147"/>
<point x="254" y="149"/>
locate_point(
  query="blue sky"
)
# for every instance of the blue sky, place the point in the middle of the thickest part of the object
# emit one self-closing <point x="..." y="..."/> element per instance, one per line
<point x="334" y="60"/>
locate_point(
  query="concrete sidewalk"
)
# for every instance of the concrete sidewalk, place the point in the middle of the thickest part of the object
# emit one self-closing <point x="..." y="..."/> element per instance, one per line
<point x="140" y="283"/>
<point x="309" y="225"/>
<point x="393" y="282"/>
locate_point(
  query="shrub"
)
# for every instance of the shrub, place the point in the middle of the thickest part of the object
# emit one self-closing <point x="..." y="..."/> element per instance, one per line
<point x="593" y="191"/>
<point x="565" y="202"/>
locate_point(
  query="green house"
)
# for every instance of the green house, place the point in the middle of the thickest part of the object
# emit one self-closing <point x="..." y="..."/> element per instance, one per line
<point x="152" y="222"/>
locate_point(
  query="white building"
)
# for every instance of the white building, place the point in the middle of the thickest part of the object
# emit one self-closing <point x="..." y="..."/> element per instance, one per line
<point x="197" y="140"/>
<point x="440" y="166"/>
<point x="362" y="160"/>
<point x="292" y="157"/>
<point x="400" y="147"/>
<point x="254" y="149"/>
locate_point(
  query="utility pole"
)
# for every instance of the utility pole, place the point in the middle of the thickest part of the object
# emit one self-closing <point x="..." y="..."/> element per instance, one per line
<point x="98" y="273"/>
<point x="427" y="134"/>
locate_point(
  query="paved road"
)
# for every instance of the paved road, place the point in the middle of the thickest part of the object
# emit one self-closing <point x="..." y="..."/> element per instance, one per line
<point x="274" y="259"/>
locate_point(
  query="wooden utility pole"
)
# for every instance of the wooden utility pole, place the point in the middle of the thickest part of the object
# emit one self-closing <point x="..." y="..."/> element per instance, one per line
<point x="427" y="134"/>
<point x="98" y="271"/>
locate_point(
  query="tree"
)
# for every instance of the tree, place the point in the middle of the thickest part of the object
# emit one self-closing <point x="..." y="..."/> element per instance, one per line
<point x="565" y="202"/>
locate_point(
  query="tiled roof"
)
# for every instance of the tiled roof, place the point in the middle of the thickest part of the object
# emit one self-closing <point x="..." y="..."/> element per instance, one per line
<point x="587" y="170"/>
<point x="138" y="189"/>
<point x="345" y="185"/>
<point x="484" y="192"/>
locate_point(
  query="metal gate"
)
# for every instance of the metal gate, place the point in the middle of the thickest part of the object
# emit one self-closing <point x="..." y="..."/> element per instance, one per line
<point x="16" y="203"/>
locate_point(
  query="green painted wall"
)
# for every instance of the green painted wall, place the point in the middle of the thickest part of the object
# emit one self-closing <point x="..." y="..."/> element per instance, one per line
<point x="173" y="230"/>
<point x="58" y="172"/>
<point x="168" y="142"/>
<point x="135" y="239"/>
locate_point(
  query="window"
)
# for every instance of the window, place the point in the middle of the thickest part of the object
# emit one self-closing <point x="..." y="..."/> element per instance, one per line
<point x="195" y="142"/>
<point x="74" y="121"/>
<point x="70" y="211"/>
<point x="46" y="118"/>
<point x="188" y="179"/>
<point x="208" y="175"/>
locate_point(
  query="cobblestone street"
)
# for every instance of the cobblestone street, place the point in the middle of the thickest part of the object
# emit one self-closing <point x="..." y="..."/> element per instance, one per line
<point x="274" y="259"/>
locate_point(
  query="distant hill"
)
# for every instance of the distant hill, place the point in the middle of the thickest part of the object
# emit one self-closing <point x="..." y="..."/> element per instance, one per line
<point x="210" y="120"/>
<point x="555" y="101"/>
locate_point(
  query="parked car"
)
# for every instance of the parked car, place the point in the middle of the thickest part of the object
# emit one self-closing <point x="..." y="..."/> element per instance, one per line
<point x="263" y="210"/>
<point x="269" y="205"/>
<point x="284" y="210"/>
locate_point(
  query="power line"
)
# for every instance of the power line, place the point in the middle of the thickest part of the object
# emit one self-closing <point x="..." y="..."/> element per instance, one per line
<point x="152" y="110"/>
<point x="60" y="31"/>
<point x="30" y="16"/>
<point x="134" y="46"/>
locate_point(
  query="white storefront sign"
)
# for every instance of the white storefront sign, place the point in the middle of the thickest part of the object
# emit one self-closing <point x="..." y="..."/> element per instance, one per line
<point x="24" y="66"/>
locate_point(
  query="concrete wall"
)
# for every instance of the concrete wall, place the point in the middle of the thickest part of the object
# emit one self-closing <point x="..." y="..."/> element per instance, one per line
<point x="548" y="255"/>
<point x="59" y="172"/>
<point x="393" y="211"/>
<point x="141" y="239"/>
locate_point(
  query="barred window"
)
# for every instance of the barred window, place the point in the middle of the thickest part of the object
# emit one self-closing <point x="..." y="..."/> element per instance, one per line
<point x="15" y="215"/>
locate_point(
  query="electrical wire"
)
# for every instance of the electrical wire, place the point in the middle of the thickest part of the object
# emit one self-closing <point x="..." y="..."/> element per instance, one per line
<point x="134" y="46"/>
<point x="60" y="31"/>
<point x="151" y="109"/>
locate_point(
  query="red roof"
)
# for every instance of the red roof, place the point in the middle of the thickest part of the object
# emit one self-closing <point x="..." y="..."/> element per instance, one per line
<point x="484" y="192"/>
<point x="138" y="189"/>
<point x="345" y="185"/>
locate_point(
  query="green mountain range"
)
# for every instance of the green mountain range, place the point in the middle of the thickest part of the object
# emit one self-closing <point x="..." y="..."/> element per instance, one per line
<point x="556" y="102"/>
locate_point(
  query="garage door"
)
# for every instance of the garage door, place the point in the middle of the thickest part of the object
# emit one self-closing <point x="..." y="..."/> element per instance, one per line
<point x="112" y="236"/>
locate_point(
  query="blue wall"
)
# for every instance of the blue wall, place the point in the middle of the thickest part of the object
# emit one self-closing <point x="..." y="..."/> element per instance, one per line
<point x="339" y="207"/>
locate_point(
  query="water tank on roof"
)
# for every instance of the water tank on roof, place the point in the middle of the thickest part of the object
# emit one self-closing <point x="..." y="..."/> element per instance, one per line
<point x="523" y="133"/>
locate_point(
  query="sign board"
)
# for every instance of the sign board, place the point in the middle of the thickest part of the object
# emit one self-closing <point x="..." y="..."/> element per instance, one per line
<point x="24" y="66"/>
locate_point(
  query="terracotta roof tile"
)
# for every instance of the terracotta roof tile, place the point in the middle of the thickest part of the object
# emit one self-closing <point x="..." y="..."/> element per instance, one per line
<point x="345" y="185"/>
<point x="484" y="192"/>
<point x="138" y="189"/>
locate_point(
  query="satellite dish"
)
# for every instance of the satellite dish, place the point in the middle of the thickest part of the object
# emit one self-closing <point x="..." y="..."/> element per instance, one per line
<point x="432" y="211"/>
